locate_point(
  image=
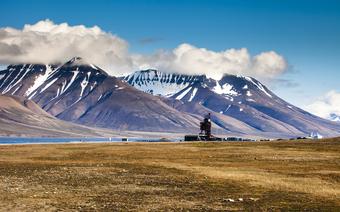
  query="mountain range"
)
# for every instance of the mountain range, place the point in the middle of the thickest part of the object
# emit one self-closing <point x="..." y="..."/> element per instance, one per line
<point x="237" y="103"/>
<point x="150" y="100"/>
<point x="83" y="93"/>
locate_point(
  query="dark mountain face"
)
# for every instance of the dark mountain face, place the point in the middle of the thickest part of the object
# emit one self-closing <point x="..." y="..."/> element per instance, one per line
<point x="83" y="93"/>
<point x="159" y="83"/>
<point x="237" y="103"/>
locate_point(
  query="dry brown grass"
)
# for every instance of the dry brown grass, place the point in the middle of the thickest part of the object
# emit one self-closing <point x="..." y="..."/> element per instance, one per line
<point x="310" y="185"/>
<point x="285" y="175"/>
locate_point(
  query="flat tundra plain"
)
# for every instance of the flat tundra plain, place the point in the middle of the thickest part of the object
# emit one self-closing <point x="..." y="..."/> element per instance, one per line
<point x="210" y="176"/>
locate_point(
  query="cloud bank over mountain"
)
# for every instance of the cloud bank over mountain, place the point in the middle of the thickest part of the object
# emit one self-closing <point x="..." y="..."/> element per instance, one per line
<point x="47" y="42"/>
<point x="190" y="59"/>
<point x="327" y="105"/>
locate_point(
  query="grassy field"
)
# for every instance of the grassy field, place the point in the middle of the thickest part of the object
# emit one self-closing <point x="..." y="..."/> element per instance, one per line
<point x="234" y="176"/>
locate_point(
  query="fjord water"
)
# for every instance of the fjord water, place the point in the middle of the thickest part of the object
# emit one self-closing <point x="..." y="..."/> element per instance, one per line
<point x="44" y="140"/>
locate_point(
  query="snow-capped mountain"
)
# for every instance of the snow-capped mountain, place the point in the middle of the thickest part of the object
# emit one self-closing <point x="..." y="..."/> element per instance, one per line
<point x="159" y="83"/>
<point x="172" y="85"/>
<point x="83" y="93"/>
<point x="237" y="103"/>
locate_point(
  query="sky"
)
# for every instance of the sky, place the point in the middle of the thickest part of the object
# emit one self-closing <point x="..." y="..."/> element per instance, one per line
<point x="293" y="46"/>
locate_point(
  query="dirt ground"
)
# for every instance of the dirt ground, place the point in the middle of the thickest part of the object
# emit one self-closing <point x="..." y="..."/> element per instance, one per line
<point x="228" y="176"/>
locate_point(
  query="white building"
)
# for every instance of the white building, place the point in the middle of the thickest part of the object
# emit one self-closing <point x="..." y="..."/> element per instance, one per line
<point x="315" y="135"/>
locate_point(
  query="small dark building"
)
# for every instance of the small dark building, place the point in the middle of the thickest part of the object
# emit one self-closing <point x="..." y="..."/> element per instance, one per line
<point x="232" y="139"/>
<point x="191" y="138"/>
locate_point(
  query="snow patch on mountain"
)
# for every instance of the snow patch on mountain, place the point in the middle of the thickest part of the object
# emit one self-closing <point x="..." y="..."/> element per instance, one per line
<point x="193" y="94"/>
<point x="39" y="80"/>
<point x="2" y="76"/>
<point x="65" y="87"/>
<point x="48" y="85"/>
<point x="225" y="89"/>
<point x="17" y="88"/>
<point x="83" y="85"/>
<point x="258" y="85"/>
<point x="93" y="66"/>
<point x="183" y="94"/>
<point x="16" y="80"/>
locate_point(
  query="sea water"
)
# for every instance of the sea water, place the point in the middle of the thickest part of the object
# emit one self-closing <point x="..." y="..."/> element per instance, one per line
<point x="45" y="140"/>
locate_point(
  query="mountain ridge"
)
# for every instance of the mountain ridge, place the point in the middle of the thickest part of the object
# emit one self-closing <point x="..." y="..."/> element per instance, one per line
<point x="239" y="97"/>
<point x="150" y="100"/>
<point x="85" y="94"/>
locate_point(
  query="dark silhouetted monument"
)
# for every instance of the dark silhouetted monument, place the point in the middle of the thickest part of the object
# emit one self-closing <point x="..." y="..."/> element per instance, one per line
<point x="205" y="134"/>
<point x="205" y="127"/>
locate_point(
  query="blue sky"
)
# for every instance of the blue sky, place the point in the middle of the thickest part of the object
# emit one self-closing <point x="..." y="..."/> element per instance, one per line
<point x="306" y="33"/>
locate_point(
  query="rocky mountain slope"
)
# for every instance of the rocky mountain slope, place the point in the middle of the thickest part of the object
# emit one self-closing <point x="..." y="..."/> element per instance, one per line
<point x="22" y="117"/>
<point x="83" y="93"/>
<point x="237" y="103"/>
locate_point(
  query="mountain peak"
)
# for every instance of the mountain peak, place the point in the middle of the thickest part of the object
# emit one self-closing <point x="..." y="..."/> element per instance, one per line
<point x="79" y="61"/>
<point x="74" y="59"/>
<point x="149" y="70"/>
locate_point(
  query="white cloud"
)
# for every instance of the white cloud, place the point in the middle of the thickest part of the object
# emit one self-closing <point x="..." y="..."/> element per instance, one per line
<point x="193" y="60"/>
<point x="47" y="42"/>
<point x="326" y="105"/>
